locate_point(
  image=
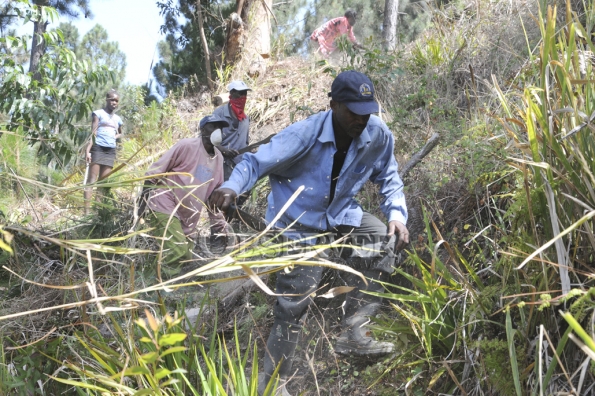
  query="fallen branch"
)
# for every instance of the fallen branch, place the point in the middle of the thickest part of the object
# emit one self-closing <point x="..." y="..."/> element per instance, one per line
<point x="417" y="157"/>
<point x="229" y="301"/>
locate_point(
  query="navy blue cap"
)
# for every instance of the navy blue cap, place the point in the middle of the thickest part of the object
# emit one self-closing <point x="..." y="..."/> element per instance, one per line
<point x="213" y="118"/>
<point x="356" y="91"/>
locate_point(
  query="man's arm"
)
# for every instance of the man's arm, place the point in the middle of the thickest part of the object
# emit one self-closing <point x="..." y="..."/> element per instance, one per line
<point x="281" y="152"/>
<point x="393" y="204"/>
<point x="228" y="153"/>
<point x="168" y="161"/>
<point x="350" y="34"/>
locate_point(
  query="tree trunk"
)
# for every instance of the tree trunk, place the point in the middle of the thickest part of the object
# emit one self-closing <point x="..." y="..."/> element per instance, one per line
<point x="389" y="26"/>
<point x="260" y="39"/>
<point x="37" y="48"/>
<point x="235" y="39"/>
<point x="252" y="43"/>
<point x="205" y="46"/>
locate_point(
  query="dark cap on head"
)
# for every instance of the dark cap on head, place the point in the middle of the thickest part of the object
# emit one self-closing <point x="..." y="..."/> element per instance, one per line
<point x="356" y="91"/>
<point x="213" y="119"/>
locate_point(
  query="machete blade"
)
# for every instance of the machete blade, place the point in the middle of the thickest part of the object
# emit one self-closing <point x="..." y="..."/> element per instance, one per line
<point x="251" y="221"/>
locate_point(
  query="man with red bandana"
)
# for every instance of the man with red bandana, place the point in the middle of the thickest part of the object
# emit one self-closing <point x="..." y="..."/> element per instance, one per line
<point x="326" y="34"/>
<point x="235" y="136"/>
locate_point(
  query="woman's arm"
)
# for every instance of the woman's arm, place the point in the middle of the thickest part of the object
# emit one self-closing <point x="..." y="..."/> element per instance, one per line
<point x="120" y="133"/>
<point x="94" y="126"/>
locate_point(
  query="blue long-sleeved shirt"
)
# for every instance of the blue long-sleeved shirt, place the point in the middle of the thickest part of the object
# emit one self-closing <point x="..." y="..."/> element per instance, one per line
<point x="302" y="154"/>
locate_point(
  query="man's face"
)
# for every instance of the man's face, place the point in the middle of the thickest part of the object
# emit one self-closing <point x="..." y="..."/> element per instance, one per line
<point x="348" y="122"/>
<point x="351" y="21"/>
<point x="206" y="132"/>
<point x="234" y="94"/>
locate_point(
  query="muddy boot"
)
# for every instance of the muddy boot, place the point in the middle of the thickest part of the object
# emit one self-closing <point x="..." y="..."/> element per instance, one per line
<point x="354" y="340"/>
<point x="280" y="350"/>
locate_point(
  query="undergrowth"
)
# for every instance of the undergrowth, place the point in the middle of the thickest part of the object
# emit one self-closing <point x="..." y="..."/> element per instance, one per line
<point x="494" y="296"/>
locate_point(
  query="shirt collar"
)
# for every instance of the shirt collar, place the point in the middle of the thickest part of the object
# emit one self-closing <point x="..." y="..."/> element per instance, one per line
<point x="227" y="111"/>
<point x="328" y="134"/>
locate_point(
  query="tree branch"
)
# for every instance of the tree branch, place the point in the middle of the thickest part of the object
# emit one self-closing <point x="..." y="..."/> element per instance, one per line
<point x="417" y="157"/>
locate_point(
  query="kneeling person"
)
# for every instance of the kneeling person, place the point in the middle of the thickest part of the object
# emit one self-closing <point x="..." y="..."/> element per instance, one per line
<point x="176" y="200"/>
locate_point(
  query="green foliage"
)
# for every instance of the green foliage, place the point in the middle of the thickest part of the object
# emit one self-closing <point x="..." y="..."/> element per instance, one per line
<point x="8" y="11"/>
<point x="26" y="370"/>
<point x="287" y="33"/>
<point x="548" y="140"/>
<point x="415" y="19"/>
<point x="95" y="48"/>
<point x="552" y="197"/>
<point x="498" y="370"/>
<point x="182" y="52"/>
<point x="160" y="357"/>
<point x="71" y="8"/>
<point x="48" y="111"/>
<point x="435" y="309"/>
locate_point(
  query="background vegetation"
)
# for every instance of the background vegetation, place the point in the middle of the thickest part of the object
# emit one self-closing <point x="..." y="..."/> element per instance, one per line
<point x="493" y="296"/>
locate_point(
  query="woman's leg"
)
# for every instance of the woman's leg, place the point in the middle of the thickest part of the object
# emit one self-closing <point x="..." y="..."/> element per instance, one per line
<point x="91" y="178"/>
<point x="104" y="170"/>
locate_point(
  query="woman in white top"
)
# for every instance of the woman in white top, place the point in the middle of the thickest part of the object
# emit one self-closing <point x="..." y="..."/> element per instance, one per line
<point x="106" y="127"/>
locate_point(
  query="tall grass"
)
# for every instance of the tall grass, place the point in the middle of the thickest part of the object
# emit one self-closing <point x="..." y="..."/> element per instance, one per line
<point x="496" y="327"/>
<point x="552" y="147"/>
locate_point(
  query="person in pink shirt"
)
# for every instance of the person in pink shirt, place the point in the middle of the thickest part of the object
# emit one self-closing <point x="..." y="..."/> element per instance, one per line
<point x="175" y="200"/>
<point x="326" y="34"/>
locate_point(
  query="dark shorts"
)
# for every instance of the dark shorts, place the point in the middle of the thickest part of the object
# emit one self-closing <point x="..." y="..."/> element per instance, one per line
<point x="103" y="155"/>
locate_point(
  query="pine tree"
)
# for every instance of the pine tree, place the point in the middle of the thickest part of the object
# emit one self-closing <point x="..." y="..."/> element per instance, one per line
<point x="96" y="48"/>
<point x="182" y="53"/>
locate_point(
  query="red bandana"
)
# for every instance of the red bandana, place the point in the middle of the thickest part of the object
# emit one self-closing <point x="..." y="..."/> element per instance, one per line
<point x="237" y="105"/>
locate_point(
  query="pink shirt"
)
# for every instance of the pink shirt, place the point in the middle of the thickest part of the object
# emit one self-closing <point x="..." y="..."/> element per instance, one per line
<point x="333" y="29"/>
<point x="190" y="156"/>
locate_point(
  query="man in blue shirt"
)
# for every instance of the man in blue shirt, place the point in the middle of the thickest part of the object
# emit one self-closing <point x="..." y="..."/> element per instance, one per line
<point x="332" y="154"/>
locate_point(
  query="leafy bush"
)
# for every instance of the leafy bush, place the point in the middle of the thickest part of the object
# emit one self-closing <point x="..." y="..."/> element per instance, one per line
<point x="47" y="111"/>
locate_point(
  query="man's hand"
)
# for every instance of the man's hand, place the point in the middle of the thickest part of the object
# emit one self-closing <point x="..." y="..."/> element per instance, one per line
<point x="88" y="158"/>
<point x="400" y="228"/>
<point x="221" y="198"/>
<point x="228" y="153"/>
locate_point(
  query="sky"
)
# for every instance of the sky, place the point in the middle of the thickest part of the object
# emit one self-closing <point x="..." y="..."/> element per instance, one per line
<point x="134" y="24"/>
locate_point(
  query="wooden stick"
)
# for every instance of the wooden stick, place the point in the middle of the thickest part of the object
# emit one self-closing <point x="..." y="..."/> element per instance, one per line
<point x="417" y="157"/>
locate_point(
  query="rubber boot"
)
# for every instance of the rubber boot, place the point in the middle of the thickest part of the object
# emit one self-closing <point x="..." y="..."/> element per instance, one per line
<point x="354" y="339"/>
<point x="279" y="351"/>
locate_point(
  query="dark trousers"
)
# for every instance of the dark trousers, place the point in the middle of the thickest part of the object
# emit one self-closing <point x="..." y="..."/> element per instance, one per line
<point x="367" y="240"/>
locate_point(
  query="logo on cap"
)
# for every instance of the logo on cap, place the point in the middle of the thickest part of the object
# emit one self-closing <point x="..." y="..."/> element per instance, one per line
<point x="365" y="90"/>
